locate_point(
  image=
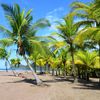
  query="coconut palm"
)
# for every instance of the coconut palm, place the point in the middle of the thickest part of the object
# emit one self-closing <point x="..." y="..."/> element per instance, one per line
<point x="41" y="63"/>
<point x="15" y="62"/>
<point x="22" y="31"/>
<point x="87" y="60"/>
<point x="68" y="31"/>
<point x="84" y="10"/>
<point x="40" y="51"/>
<point x="3" y="55"/>
<point x="89" y="12"/>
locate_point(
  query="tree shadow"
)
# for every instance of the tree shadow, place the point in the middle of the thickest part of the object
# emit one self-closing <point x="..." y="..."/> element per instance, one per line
<point x="58" y="79"/>
<point x="8" y="75"/>
<point x="30" y="81"/>
<point x="87" y="85"/>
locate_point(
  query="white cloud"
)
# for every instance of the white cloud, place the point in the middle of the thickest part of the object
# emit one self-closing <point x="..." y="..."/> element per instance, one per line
<point x="54" y="16"/>
<point x="56" y="11"/>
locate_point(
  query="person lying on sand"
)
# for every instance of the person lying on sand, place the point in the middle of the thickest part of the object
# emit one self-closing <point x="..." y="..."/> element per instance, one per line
<point x="21" y="75"/>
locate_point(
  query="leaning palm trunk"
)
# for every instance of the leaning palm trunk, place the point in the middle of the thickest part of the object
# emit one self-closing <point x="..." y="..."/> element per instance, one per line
<point x="11" y="67"/>
<point x="38" y="81"/>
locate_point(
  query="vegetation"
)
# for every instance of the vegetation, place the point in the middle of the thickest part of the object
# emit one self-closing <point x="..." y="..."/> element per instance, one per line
<point x="77" y="53"/>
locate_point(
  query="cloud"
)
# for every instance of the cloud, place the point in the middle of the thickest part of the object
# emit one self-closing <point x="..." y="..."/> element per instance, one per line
<point x="56" y="11"/>
<point x="54" y="16"/>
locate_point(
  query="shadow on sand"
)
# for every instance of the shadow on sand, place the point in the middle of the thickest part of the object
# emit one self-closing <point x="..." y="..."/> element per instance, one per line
<point x="92" y="85"/>
<point x="81" y="84"/>
<point x="30" y="81"/>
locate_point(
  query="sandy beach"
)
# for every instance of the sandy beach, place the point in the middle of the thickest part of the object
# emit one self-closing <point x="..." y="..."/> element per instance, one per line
<point x="18" y="88"/>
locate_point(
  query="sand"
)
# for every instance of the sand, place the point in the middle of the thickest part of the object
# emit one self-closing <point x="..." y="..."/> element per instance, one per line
<point x="54" y="88"/>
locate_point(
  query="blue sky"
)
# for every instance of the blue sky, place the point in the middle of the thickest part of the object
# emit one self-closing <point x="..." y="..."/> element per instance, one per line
<point x="50" y="9"/>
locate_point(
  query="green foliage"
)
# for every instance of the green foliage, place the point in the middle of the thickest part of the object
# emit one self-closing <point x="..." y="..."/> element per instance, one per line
<point x="87" y="59"/>
<point x="15" y="62"/>
<point x="3" y="53"/>
<point x="22" y="28"/>
<point x="62" y="54"/>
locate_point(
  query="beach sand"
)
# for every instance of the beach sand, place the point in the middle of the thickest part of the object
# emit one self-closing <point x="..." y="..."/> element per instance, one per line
<point x="17" y="88"/>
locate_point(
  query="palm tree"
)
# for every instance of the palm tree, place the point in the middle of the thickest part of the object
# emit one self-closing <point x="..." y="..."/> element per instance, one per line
<point x="90" y="13"/>
<point x="15" y="62"/>
<point x="68" y="31"/>
<point x="3" y="55"/>
<point x="22" y="31"/>
<point x="87" y="60"/>
<point x="40" y="50"/>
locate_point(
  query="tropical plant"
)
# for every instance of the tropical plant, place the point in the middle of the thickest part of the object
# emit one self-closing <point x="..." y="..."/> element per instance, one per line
<point x="3" y="55"/>
<point x="87" y="60"/>
<point x="4" y="43"/>
<point x="22" y="31"/>
<point x="68" y="31"/>
<point x="91" y="13"/>
<point x="15" y="62"/>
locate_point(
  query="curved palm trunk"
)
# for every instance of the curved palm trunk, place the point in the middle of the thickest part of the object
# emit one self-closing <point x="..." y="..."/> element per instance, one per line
<point x="38" y="81"/>
<point x="11" y="67"/>
<point x="73" y="65"/>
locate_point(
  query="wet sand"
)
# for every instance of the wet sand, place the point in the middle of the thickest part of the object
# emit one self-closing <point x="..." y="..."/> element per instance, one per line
<point x="53" y="88"/>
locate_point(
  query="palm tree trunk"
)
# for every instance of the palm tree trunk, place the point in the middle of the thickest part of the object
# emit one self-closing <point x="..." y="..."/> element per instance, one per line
<point x="87" y="75"/>
<point x="79" y="72"/>
<point x="52" y="72"/>
<point x="11" y="67"/>
<point x="38" y="81"/>
<point x="64" y="62"/>
<point x="6" y="66"/>
<point x="98" y="25"/>
<point x="56" y="73"/>
<point x="45" y="69"/>
<point x="73" y="65"/>
<point x="41" y="70"/>
<point x="59" y="71"/>
<point x="35" y="66"/>
<point x="48" y="68"/>
<point x="65" y="74"/>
